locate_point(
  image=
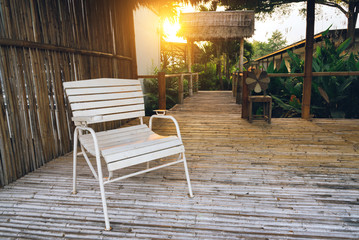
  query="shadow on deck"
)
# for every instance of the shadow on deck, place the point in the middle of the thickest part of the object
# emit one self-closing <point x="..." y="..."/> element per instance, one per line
<point x="291" y="179"/>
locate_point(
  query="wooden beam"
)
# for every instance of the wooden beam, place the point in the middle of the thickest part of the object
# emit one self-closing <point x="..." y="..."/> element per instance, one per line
<point x="307" y="83"/>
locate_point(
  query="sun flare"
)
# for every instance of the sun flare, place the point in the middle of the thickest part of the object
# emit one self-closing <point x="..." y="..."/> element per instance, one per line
<point x="170" y="29"/>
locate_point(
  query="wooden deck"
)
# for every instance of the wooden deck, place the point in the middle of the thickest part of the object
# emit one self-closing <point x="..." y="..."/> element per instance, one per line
<point x="292" y="179"/>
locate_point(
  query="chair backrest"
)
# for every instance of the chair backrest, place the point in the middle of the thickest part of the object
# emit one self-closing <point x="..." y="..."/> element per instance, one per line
<point x="111" y="98"/>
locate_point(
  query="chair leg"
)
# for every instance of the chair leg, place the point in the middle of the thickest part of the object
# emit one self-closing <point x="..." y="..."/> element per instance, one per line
<point x="102" y="190"/>
<point x="265" y="111"/>
<point x="74" y="191"/>
<point x="104" y="205"/>
<point x="187" y="176"/>
<point x="250" y="112"/>
<point x="270" y="112"/>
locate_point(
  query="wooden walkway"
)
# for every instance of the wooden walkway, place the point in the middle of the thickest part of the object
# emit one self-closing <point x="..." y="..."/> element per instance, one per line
<point x="292" y="179"/>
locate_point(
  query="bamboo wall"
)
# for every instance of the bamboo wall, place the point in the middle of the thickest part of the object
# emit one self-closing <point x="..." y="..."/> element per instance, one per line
<point x="42" y="44"/>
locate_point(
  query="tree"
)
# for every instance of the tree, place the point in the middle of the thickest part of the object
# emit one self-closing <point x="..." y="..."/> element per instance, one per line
<point x="275" y="42"/>
<point x="350" y="8"/>
<point x="207" y="53"/>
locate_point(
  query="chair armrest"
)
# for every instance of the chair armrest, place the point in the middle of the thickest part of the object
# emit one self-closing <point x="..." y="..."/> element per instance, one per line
<point x="167" y="117"/>
<point x="160" y="111"/>
<point x="85" y="119"/>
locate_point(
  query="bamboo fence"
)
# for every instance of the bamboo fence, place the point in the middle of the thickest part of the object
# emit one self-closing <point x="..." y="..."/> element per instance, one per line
<point x="42" y="44"/>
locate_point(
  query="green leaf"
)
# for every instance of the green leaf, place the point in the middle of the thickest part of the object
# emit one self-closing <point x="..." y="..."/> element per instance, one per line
<point x="323" y="94"/>
<point x="316" y="66"/>
<point x="345" y="85"/>
<point x="351" y="62"/>
<point x="326" y="31"/>
<point x="283" y="68"/>
<point x="344" y="45"/>
<point x="295" y="58"/>
<point x="284" y="105"/>
<point x="270" y="68"/>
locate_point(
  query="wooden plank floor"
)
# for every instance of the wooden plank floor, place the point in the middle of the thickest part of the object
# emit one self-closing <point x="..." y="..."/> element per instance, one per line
<point x="292" y="179"/>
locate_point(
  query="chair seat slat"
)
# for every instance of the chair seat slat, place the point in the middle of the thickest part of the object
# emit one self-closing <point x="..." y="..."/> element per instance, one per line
<point x="103" y="104"/>
<point x="144" y="158"/>
<point x="100" y="82"/>
<point x="114" y="140"/>
<point x="104" y="111"/>
<point x="138" y="145"/>
<point x="101" y="97"/>
<point x="119" y="153"/>
<point x="98" y="90"/>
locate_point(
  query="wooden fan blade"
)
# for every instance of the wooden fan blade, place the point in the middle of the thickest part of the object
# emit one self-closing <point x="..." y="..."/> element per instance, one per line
<point x="258" y="88"/>
<point x="252" y="75"/>
<point x="257" y="72"/>
<point x="263" y="75"/>
<point x="264" y="80"/>
<point x="250" y="80"/>
<point x="264" y="86"/>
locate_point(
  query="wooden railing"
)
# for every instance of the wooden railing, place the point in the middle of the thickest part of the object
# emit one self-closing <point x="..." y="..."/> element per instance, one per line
<point x="161" y="76"/>
<point x="240" y="90"/>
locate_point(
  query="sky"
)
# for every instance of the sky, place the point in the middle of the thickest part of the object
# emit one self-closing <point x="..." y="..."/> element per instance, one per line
<point x="293" y="25"/>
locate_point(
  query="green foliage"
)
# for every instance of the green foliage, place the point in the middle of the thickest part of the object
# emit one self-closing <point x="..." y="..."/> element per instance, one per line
<point x="332" y="96"/>
<point x="150" y="87"/>
<point x="275" y="42"/>
<point x="151" y="93"/>
<point x="332" y="92"/>
<point x="208" y="79"/>
<point x="286" y="92"/>
<point x="231" y="49"/>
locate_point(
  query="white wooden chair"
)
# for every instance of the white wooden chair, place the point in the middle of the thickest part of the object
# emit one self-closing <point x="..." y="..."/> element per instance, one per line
<point x="102" y="100"/>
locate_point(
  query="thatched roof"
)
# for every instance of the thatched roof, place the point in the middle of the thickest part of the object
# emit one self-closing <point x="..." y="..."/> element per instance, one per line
<point x="205" y="26"/>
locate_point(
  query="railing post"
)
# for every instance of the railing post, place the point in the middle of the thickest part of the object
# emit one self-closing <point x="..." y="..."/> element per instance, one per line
<point x="190" y="85"/>
<point x="240" y="89"/>
<point x="196" y="82"/>
<point x="161" y="90"/>
<point x="307" y="81"/>
<point x="180" y="89"/>
<point x="234" y="84"/>
<point x="245" y="94"/>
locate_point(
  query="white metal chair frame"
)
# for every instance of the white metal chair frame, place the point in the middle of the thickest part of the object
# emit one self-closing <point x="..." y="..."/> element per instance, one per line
<point x="82" y="122"/>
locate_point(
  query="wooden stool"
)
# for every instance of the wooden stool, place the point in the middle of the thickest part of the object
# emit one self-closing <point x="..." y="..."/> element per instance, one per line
<point x="267" y="107"/>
